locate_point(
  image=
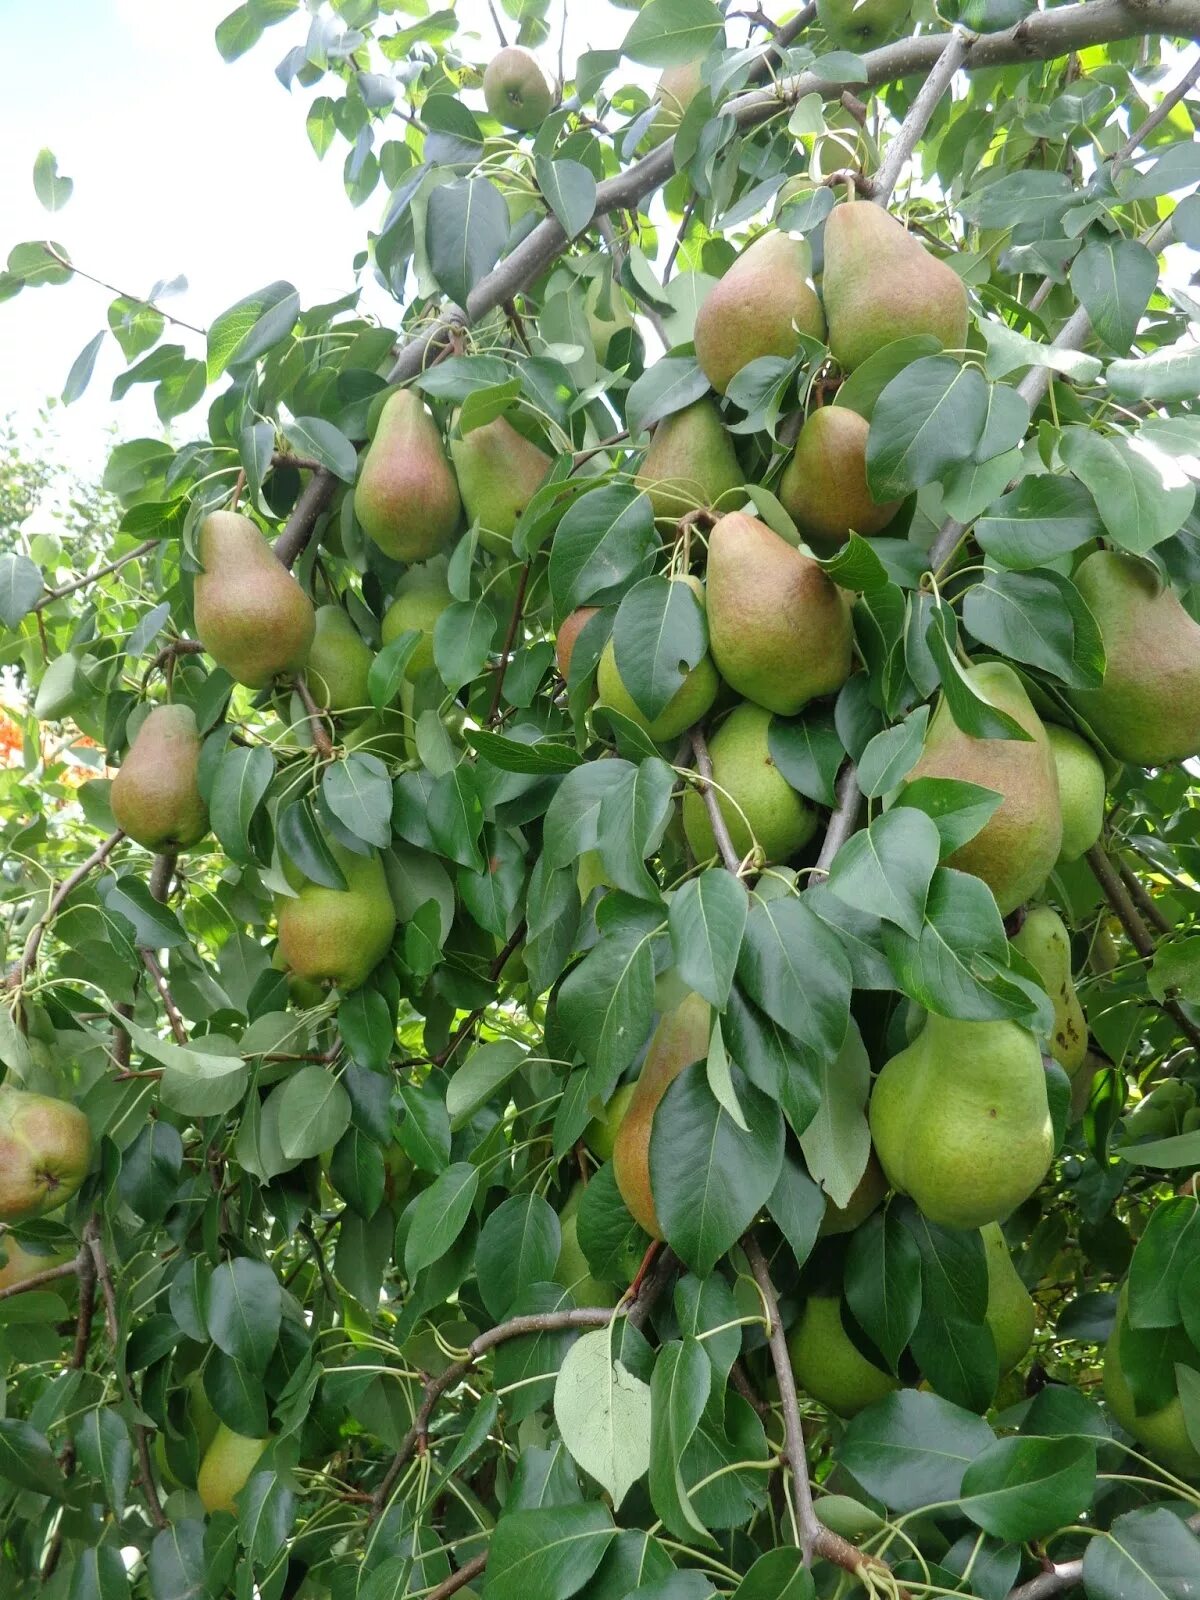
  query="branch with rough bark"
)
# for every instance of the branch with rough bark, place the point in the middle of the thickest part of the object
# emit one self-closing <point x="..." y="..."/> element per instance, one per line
<point x="36" y="934"/>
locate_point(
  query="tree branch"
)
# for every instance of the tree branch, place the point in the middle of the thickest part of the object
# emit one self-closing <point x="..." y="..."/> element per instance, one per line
<point x="150" y="962"/>
<point x="459" y="1580"/>
<point x="1156" y="117"/>
<point x="39" y="1280"/>
<point x="51" y="595"/>
<point x="919" y="113"/>
<point x="29" y="957"/>
<point x="1121" y="901"/>
<point x="322" y="743"/>
<point x="842" y="821"/>
<point x="1066" y="1574"/>
<point x="1144" y="901"/>
<point x="514" y="622"/>
<point x="720" y="831"/>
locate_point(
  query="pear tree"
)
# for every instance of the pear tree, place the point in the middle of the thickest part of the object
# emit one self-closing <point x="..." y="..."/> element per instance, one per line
<point x="618" y="1011"/>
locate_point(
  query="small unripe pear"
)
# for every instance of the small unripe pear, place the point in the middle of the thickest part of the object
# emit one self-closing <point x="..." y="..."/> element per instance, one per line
<point x="516" y="90"/>
<point x="226" y="1468"/>
<point x="338" y="663"/>
<point x="421" y="596"/>
<point x="155" y="797"/>
<point x="45" y="1150"/>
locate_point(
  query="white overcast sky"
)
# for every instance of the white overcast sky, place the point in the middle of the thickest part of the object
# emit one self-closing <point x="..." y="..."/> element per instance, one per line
<point x="182" y="164"/>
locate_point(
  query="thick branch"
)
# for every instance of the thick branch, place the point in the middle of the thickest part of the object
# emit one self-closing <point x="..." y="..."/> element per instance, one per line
<point x="1042" y="36"/>
<point x="842" y="821"/>
<point x="98" y="856"/>
<point x="919" y="114"/>
<point x="1121" y="901"/>
<point x="720" y="831"/>
<point x="51" y="595"/>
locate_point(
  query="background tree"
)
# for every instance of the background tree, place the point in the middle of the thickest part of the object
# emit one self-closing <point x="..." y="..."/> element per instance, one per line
<point x="626" y="1024"/>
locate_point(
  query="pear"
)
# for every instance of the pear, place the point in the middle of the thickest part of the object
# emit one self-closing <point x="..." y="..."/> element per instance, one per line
<point x="680" y="1038"/>
<point x="573" y="1270"/>
<point x="757" y="308"/>
<point x="45" y="1151"/>
<point x="1081" y="791"/>
<point x="226" y="1468"/>
<point x="406" y="498"/>
<point x="1011" y="1314"/>
<point x="861" y="24"/>
<point x="499" y="472"/>
<point x="677" y="87"/>
<point x="824" y="485"/>
<point x="868" y="1195"/>
<point x="690" y="702"/>
<point x="421" y="596"/>
<point x="338" y="936"/>
<point x="608" y="319"/>
<point x="1162" y="1433"/>
<point x="779" y="629"/>
<point x="689" y="462"/>
<point x="1147" y="710"/>
<point x="755" y="799"/>
<point x="961" y="1122"/>
<point x="880" y="284"/>
<point x="1045" y="943"/>
<point x="155" y="797"/>
<point x="338" y="664"/>
<point x="1015" y="851"/>
<point x="600" y="1135"/>
<point x="21" y="1264"/>
<point x="829" y="1366"/>
<point x="569" y="630"/>
<point x="251" y="615"/>
<point x="515" y="89"/>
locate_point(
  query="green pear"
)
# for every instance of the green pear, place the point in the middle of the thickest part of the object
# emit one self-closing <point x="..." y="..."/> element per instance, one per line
<point x="499" y="472"/>
<point x="226" y="1468"/>
<point x="689" y="462"/>
<point x="828" y="1365"/>
<point x="45" y="1151"/>
<point x="690" y="702"/>
<point x="406" y="497"/>
<point x="824" y="485"/>
<point x="606" y="312"/>
<point x="1161" y="1114"/>
<point x="338" y="664"/>
<point x="1147" y="710"/>
<point x="337" y="936"/>
<point x="1045" y="943"/>
<point x="1162" y="1433"/>
<point x="1011" y="1314"/>
<point x="251" y="615"/>
<point x="155" y="797"/>
<point x="680" y="1038"/>
<point x="758" y="308"/>
<point x="1081" y="791"/>
<point x="1015" y="850"/>
<point x="880" y="284"/>
<point x="422" y="594"/>
<point x="861" y="24"/>
<point x="21" y="1263"/>
<point x="755" y="799"/>
<point x="961" y="1122"/>
<point x="515" y="89"/>
<point x="867" y="1197"/>
<point x="600" y="1135"/>
<point x="677" y="87"/>
<point x="779" y="629"/>
<point x="569" y="630"/>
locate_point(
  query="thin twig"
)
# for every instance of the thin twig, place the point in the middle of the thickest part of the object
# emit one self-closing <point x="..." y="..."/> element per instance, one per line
<point x="97" y="858"/>
<point x="460" y="1579"/>
<point x="465" y="1027"/>
<point x="496" y="23"/>
<point x="66" y="1269"/>
<point x="51" y="595"/>
<point x="842" y="821"/>
<point x="1144" y="901"/>
<point x="677" y="245"/>
<point x="322" y="743"/>
<point x="1159" y="115"/>
<point x="514" y="622"/>
<point x="121" y="294"/>
<point x="920" y="112"/>
<point x="720" y="830"/>
<point x="1062" y="1575"/>
<point x="178" y="1029"/>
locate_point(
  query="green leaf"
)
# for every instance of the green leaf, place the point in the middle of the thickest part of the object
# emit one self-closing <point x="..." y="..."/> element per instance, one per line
<point x="243" y="1306"/>
<point x="51" y="188"/>
<point x="797" y="1206"/>
<point x="1142" y="499"/>
<point x="664" y="388"/>
<point x="302" y="842"/>
<point x="358" y="791"/>
<point x="1168" y="376"/>
<point x="465" y="230"/>
<point x="440" y="1215"/>
<point x="1032" y="196"/>
<point x="930" y="417"/>
<point x="633" y="818"/>
<point x="550" y="1552"/>
<point x="178" y="1565"/>
<point x="602" y="541"/>
<point x="837" y="1141"/>
<point x="669" y="32"/>
<point x="1168" y="1247"/>
<point x="808" y="752"/>
<point x="1113" y="279"/>
<point x="659" y="635"/>
<point x="106" y="1453"/>
<point x="155" y="927"/>
<point x="777" y="1575"/>
<point x="950" y="967"/>
<point x="251" y="327"/>
<point x="456" y="816"/>
<point x="20" y="587"/>
<point x="793" y="967"/>
<point x="136" y="326"/>
<point x="1039" y="618"/>
<point x="313" y="436"/>
<point x="911" y="1449"/>
<point x="238" y="32"/>
<point x="99" y="1574"/>
<point x="892" y="754"/>
<point x="239" y="786"/>
<point x="320" y="124"/>
<point x="1148" y="1554"/>
<point x="484" y="1071"/>
<point x="1043" y="517"/>
<point x="314" y="1113"/>
<point x="1020" y="1489"/>
<point x="518" y="1246"/>
<point x="539" y="757"/>
<point x="570" y="190"/>
<point x="81" y="371"/>
<point x="709" y="1178"/>
<point x="462" y="641"/>
<point x="606" y="1003"/>
<point x="886" y="868"/>
<point x="679" y="1390"/>
<point x="603" y="1414"/>
<point x="883" y="1282"/>
<point x="706" y="919"/>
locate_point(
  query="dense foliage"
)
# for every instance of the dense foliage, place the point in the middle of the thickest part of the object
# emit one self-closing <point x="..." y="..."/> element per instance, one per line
<point x="587" y="1040"/>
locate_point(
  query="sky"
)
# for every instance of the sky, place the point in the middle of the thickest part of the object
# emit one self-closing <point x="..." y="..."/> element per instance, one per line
<point x="182" y="163"/>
